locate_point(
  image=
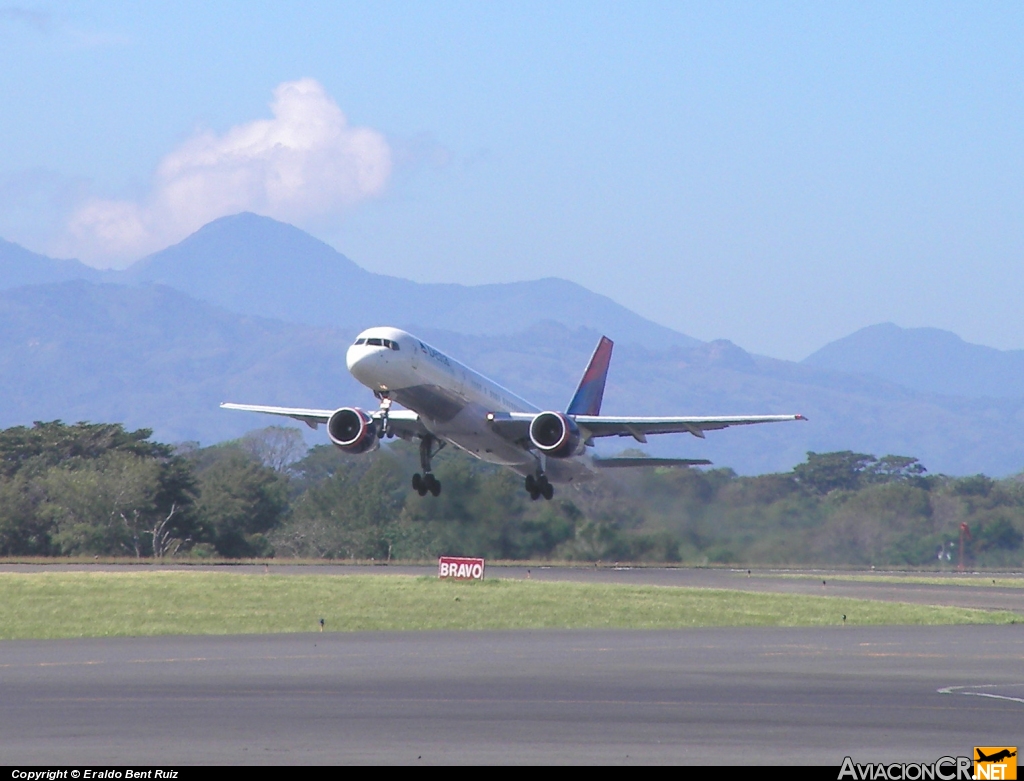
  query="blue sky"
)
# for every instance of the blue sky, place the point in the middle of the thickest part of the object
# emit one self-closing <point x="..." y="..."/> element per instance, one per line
<point x="775" y="174"/>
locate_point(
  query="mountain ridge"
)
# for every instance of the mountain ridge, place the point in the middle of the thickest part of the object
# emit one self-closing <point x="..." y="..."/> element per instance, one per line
<point x="927" y="359"/>
<point x="154" y="357"/>
<point x="133" y="347"/>
<point x="259" y="266"/>
<point x="20" y="266"/>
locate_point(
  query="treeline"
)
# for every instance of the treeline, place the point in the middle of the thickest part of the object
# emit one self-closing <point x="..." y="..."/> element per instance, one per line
<point x="840" y="508"/>
<point x="97" y="489"/>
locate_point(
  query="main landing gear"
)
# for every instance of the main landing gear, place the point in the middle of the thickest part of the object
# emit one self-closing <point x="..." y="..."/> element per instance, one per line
<point x="427" y="483"/>
<point x="539" y="486"/>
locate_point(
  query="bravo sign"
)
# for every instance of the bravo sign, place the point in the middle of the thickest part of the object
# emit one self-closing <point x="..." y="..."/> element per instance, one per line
<point x="460" y="568"/>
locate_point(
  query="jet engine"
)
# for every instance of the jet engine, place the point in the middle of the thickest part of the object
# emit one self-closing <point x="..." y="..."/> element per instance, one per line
<point x="352" y="430"/>
<point x="556" y="435"/>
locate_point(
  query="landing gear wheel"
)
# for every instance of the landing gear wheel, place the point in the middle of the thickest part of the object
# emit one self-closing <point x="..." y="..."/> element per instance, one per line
<point x="429" y="447"/>
<point x="546" y="489"/>
<point x="532" y="488"/>
<point x="418" y="485"/>
<point x="426" y="484"/>
<point x="538" y="486"/>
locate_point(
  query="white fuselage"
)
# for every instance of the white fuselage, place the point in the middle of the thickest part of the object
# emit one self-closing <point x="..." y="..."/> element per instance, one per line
<point x="452" y="400"/>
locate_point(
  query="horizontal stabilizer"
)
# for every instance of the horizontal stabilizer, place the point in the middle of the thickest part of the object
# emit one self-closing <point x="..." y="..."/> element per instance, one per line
<point x="619" y="462"/>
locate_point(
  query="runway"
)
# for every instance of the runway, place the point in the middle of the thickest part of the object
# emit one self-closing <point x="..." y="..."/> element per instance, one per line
<point x="719" y="696"/>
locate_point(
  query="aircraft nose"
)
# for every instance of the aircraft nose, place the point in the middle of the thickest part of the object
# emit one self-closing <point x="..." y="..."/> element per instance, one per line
<point x="356" y="355"/>
<point x="367" y="364"/>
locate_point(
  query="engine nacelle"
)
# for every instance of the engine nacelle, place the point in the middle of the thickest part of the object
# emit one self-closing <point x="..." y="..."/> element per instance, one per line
<point x="556" y="435"/>
<point x="353" y="430"/>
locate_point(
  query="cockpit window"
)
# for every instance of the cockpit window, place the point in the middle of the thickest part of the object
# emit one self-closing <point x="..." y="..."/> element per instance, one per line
<point x="375" y="341"/>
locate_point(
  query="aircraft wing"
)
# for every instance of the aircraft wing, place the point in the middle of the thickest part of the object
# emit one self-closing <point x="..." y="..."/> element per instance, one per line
<point x="516" y="425"/>
<point x="640" y="427"/>
<point x="403" y="423"/>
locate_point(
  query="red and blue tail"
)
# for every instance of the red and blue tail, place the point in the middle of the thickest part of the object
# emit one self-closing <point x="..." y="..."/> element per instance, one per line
<point x="588" y="396"/>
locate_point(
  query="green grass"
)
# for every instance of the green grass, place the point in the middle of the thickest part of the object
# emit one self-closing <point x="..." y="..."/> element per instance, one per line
<point x="89" y="604"/>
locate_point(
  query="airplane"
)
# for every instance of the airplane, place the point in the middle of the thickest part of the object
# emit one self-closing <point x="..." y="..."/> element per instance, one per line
<point x="1004" y="754"/>
<point x="448" y="403"/>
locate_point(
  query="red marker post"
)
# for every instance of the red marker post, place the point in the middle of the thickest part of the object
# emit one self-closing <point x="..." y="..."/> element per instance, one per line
<point x="965" y="531"/>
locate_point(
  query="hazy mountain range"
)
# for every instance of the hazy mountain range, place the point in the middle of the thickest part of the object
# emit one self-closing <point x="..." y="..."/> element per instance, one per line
<point x="252" y="310"/>
<point x="926" y="359"/>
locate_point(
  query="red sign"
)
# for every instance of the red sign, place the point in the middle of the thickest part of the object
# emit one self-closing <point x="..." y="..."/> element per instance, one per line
<point x="460" y="568"/>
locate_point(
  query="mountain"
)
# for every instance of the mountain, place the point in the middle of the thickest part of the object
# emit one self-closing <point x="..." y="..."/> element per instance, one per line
<point x="154" y="357"/>
<point x="257" y="266"/>
<point x="19" y="266"/>
<point x="926" y="359"/>
<point x="251" y="310"/>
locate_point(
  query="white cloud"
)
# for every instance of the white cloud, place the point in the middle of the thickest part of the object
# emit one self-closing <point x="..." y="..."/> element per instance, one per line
<point x="304" y="163"/>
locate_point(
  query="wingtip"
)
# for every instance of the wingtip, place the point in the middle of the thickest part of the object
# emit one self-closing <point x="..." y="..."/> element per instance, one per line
<point x="800" y="417"/>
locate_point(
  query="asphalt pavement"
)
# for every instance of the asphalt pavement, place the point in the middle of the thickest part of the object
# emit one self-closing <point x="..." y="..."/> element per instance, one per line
<point x="719" y="696"/>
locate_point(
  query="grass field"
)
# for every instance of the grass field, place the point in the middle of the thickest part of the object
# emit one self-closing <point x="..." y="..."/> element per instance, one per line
<point x="90" y="604"/>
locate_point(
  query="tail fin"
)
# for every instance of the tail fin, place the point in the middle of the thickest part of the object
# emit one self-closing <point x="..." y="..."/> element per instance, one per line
<point x="587" y="399"/>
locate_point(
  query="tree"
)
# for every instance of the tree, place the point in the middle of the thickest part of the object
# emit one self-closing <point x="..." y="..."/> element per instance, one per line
<point x="276" y="447"/>
<point x="92" y="488"/>
<point x="103" y="505"/>
<point x="240" y="501"/>
<point x="48" y="444"/>
<point x="827" y="472"/>
<point x="891" y="468"/>
<point x="998" y="534"/>
<point x="355" y="513"/>
<point x="23" y="531"/>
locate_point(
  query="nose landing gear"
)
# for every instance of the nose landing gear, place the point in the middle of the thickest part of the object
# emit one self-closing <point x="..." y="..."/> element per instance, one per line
<point x="384" y="429"/>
